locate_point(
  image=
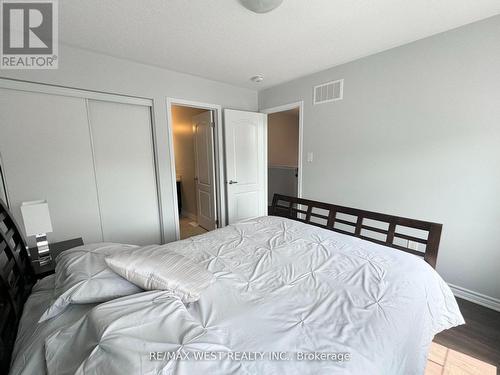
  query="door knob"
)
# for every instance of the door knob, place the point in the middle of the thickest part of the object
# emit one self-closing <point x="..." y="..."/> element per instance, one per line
<point x="232" y="182"/>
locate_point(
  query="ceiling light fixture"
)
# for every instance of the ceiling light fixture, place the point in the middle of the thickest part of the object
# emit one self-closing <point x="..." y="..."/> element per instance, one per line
<point x="261" y="6"/>
<point x="257" y="78"/>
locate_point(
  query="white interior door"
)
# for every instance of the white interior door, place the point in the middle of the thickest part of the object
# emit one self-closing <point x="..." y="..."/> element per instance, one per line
<point x="246" y="164"/>
<point x="204" y="169"/>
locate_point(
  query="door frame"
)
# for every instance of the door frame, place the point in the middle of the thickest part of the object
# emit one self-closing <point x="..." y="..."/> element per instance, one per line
<point x="282" y="108"/>
<point x="218" y="159"/>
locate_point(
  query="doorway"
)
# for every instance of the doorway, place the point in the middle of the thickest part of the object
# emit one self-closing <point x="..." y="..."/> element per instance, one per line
<point x="284" y="151"/>
<point x="195" y="168"/>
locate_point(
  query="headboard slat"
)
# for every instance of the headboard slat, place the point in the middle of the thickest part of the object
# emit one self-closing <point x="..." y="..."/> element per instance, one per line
<point x="373" y="229"/>
<point x="410" y="238"/>
<point x="393" y="238"/>
<point x="390" y="233"/>
<point x="16" y="281"/>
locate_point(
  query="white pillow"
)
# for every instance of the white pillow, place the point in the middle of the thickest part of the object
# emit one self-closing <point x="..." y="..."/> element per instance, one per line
<point x="154" y="267"/>
<point x="82" y="276"/>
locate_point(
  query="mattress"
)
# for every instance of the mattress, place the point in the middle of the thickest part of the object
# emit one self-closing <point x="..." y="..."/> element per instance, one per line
<point x="295" y="295"/>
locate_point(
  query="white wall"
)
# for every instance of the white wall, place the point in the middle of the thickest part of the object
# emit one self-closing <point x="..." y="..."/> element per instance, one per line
<point x="87" y="70"/>
<point x="418" y="135"/>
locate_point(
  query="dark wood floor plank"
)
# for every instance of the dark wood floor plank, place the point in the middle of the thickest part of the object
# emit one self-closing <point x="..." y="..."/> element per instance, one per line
<point x="479" y="337"/>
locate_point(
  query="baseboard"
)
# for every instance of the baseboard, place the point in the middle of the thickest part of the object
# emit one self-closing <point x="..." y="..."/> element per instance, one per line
<point x="478" y="298"/>
<point x="189" y="215"/>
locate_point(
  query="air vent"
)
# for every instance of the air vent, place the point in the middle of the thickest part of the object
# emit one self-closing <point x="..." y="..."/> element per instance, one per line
<point x="329" y="92"/>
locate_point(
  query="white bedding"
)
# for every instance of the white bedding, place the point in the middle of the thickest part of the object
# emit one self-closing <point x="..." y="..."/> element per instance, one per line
<point x="281" y="286"/>
<point x="28" y="355"/>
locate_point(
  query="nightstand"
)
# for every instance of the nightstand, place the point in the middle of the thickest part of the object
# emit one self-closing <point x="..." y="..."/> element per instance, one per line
<point x="55" y="249"/>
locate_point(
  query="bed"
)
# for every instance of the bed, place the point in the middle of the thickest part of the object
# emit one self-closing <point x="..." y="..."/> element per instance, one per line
<point x="313" y="288"/>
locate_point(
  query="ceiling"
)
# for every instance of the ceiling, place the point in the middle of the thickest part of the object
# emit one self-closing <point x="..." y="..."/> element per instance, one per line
<point x="223" y="41"/>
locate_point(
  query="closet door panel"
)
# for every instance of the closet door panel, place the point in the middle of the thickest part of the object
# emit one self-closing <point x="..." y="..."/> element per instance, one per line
<point x="125" y="172"/>
<point x="3" y="192"/>
<point x="46" y="154"/>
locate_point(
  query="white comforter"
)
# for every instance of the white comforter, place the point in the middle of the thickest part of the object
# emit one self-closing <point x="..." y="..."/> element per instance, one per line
<point x="282" y="286"/>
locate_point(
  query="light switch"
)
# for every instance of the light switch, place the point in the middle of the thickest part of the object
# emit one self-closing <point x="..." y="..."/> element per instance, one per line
<point x="310" y="157"/>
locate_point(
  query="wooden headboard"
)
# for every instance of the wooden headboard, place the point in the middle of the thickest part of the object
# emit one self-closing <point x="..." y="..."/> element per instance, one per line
<point x="387" y="230"/>
<point x="16" y="281"/>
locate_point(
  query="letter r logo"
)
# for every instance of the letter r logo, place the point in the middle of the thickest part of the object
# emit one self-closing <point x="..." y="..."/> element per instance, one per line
<point x="27" y="28"/>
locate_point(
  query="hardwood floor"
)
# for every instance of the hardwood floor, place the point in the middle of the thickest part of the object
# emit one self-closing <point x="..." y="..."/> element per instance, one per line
<point x="479" y="338"/>
<point x="444" y="361"/>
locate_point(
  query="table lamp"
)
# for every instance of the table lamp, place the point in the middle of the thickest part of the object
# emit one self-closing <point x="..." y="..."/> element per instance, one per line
<point x="37" y="223"/>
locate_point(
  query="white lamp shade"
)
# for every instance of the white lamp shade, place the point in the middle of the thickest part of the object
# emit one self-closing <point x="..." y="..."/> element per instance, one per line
<point x="36" y="217"/>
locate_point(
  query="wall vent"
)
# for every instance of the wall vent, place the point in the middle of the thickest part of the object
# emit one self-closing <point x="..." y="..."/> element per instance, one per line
<point x="329" y="92"/>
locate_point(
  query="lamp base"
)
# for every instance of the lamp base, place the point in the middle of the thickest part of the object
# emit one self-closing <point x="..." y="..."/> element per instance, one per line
<point x="42" y="245"/>
<point x="44" y="260"/>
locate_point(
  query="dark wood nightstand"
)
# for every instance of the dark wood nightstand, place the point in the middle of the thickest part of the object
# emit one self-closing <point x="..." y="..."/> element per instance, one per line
<point x="55" y="249"/>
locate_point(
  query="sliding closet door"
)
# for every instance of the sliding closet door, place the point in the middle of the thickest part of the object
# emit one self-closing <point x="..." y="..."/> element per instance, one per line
<point x="46" y="154"/>
<point x="3" y="191"/>
<point x="125" y="172"/>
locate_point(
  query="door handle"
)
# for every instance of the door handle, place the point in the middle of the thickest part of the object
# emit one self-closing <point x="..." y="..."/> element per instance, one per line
<point x="232" y="182"/>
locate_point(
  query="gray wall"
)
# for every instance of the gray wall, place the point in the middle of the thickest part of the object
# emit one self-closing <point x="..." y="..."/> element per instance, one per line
<point x="281" y="180"/>
<point x="87" y="70"/>
<point x="417" y="134"/>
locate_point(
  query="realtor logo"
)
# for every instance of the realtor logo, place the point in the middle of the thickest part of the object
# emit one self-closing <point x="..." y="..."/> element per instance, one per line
<point x="29" y="34"/>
